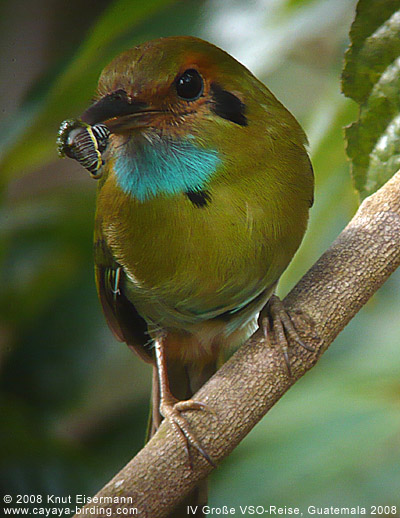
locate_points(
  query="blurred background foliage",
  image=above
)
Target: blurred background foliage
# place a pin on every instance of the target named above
(73, 401)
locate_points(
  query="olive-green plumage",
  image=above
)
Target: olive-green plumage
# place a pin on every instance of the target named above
(203, 201)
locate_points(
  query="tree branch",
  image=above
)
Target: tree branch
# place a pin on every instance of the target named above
(255, 378)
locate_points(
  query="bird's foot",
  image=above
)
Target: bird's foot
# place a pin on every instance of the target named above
(279, 329)
(170, 409)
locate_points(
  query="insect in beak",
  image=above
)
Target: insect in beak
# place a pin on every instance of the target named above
(85, 143)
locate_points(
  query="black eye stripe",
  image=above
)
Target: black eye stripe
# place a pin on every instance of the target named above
(228, 106)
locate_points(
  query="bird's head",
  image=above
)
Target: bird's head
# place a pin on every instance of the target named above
(177, 109)
(169, 84)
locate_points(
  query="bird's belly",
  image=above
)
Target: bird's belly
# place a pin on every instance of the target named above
(178, 273)
(184, 265)
(203, 316)
(198, 289)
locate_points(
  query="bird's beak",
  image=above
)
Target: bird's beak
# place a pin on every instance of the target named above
(119, 113)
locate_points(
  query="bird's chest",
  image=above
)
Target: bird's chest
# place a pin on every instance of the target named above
(194, 259)
(167, 237)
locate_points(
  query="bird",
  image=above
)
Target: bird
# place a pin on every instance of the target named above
(204, 193)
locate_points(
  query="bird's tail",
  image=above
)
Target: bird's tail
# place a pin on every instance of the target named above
(184, 382)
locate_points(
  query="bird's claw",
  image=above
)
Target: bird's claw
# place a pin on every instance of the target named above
(171, 410)
(278, 324)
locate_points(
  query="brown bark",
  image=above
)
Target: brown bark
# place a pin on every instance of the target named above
(254, 379)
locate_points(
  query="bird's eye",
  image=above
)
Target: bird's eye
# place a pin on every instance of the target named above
(189, 85)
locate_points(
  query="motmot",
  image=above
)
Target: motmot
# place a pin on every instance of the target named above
(204, 191)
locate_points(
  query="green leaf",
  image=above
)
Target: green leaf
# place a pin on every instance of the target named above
(371, 77)
(29, 141)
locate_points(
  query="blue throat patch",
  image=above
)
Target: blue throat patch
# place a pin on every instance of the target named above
(166, 166)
